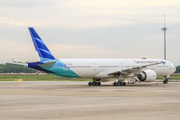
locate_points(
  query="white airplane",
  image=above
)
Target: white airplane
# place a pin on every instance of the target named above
(100, 70)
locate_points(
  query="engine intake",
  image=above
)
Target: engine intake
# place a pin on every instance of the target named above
(147, 76)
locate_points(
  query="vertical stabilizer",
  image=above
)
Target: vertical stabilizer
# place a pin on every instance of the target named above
(40, 47)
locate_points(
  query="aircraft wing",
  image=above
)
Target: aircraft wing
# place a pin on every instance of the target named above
(134, 70)
(17, 63)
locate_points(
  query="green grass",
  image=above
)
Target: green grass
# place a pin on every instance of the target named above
(171, 77)
(51, 78)
(38, 78)
(175, 76)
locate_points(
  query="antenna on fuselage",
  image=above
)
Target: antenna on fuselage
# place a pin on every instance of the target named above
(164, 29)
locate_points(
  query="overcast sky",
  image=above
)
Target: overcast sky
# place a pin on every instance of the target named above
(90, 28)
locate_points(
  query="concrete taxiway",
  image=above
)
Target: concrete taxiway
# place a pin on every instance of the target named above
(75, 101)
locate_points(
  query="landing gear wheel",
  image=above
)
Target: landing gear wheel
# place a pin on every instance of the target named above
(99, 83)
(93, 83)
(114, 83)
(118, 83)
(124, 83)
(121, 84)
(89, 83)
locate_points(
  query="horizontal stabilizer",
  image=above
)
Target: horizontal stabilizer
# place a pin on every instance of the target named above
(48, 64)
(17, 63)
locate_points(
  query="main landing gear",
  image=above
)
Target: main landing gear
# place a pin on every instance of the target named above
(119, 83)
(165, 81)
(95, 82)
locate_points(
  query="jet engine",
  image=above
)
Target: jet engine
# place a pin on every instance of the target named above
(147, 76)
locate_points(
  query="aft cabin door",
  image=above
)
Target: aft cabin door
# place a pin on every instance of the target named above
(94, 66)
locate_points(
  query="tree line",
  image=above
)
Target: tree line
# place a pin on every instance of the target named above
(177, 69)
(12, 68)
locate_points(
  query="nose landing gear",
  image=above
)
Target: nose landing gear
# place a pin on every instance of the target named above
(165, 81)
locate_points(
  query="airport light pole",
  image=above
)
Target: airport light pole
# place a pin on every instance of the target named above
(164, 29)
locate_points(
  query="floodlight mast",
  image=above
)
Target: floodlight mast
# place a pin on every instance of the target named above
(164, 29)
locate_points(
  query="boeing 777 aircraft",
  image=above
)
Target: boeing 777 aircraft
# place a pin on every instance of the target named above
(100, 70)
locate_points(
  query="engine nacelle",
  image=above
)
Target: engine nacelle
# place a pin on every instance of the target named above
(147, 76)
